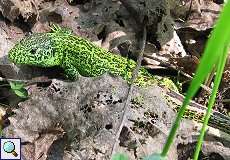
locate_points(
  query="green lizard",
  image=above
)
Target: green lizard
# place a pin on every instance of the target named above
(77, 55)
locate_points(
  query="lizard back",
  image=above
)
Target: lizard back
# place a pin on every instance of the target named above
(91, 60)
(73, 53)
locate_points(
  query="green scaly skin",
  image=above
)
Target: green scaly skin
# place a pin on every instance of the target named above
(77, 55)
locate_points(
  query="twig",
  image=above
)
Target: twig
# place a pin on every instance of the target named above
(137, 140)
(28, 82)
(134, 76)
(218, 120)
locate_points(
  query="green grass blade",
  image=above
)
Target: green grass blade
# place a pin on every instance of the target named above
(220, 69)
(214, 48)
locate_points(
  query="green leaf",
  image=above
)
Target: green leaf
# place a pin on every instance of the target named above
(155, 157)
(21, 93)
(120, 156)
(16, 85)
(18, 89)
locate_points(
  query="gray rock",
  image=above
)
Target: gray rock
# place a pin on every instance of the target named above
(89, 112)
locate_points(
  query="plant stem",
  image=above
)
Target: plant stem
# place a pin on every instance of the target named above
(220, 69)
(5, 85)
(212, 55)
(174, 128)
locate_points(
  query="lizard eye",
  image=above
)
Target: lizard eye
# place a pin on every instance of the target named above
(33, 51)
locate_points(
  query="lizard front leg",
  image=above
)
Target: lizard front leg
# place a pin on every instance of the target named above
(71, 71)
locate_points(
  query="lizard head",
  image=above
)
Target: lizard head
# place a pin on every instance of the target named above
(36, 49)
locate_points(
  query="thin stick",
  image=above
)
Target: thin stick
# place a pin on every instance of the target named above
(134, 76)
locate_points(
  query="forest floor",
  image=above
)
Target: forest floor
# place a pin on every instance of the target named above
(79, 120)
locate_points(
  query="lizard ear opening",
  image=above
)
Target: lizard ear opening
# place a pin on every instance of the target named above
(33, 51)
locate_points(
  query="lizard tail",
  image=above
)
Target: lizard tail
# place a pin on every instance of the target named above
(146, 79)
